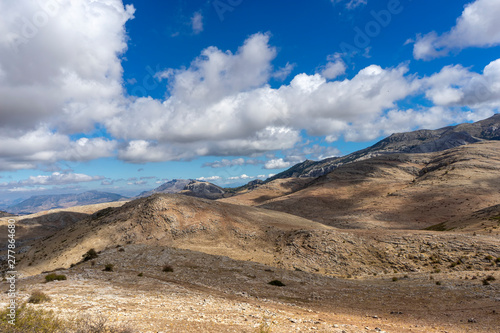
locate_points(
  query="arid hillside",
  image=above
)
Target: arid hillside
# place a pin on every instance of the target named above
(396, 191)
(183, 264)
(30, 228)
(395, 243)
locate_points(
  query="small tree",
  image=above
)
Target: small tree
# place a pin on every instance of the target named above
(91, 254)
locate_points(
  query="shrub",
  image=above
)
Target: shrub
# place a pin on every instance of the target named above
(97, 324)
(438, 283)
(488, 279)
(140, 274)
(38, 297)
(91, 254)
(277, 283)
(30, 320)
(108, 268)
(54, 277)
(33, 320)
(168, 268)
(394, 279)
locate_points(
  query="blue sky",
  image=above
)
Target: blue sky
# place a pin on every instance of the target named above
(121, 96)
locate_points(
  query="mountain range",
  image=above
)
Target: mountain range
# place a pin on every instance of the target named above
(416, 142)
(46, 202)
(421, 141)
(405, 232)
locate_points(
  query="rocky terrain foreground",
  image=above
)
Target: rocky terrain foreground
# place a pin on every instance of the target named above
(393, 243)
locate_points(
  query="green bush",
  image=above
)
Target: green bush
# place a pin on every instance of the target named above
(54, 277)
(30, 320)
(108, 268)
(38, 297)
(91, 254)
(277, 283)
(168, 268)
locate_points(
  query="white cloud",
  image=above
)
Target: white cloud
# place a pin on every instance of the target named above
(283, 72)
(197, 22)
(222, 105)
(27, 150)
(60, 68)
(55, 178)
(334, 68)
(242, 177)
(458, 86)
(270, 138)
(478, 26)
(74, 72)
(277, 163)
(209, 179)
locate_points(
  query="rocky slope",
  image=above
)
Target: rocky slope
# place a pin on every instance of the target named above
(46, 202)
(33, 227)
(395, 191)
(172, 186)
(203, 190)
(188, 187)
(245, 233)
(421, 141)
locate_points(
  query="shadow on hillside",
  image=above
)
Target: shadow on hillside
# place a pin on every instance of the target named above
(30, 229)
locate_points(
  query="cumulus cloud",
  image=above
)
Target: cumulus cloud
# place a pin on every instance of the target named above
(74, 72)
(478, 26)
(458, 86)
(334, 68)
(197, 23)
(55, 178)
(60, 69)
(222, 105)
(43, 146)
(277, 163)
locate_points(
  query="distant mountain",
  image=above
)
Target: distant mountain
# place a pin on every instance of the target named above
(193, 188)
(45, 202)
(203, 190)
(421, 141)
(173, 186)
(456, 188)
